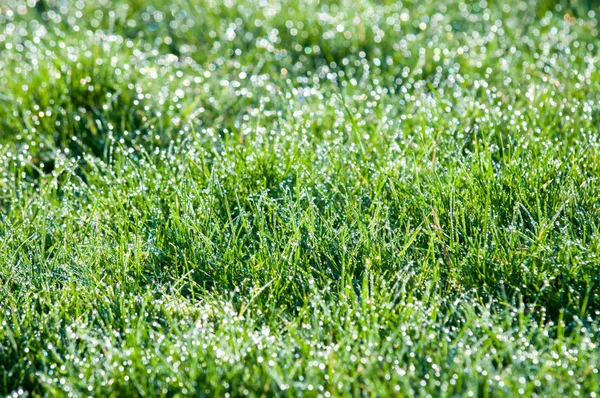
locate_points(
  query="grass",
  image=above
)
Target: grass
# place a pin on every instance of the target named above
(320, 198)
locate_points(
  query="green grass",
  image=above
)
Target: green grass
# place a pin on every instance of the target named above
(299, 198)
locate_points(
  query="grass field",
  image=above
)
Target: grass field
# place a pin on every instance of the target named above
(299, 198)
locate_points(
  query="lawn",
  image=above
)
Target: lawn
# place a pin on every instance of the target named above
(299, 198)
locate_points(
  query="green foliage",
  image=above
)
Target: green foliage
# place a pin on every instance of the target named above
(321, 198)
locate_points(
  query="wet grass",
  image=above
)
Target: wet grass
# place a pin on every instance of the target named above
(299, 198)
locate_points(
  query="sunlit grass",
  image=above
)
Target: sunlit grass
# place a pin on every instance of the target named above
(299, 198)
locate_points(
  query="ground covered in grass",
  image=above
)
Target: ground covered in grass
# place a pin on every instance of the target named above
(285, 197)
